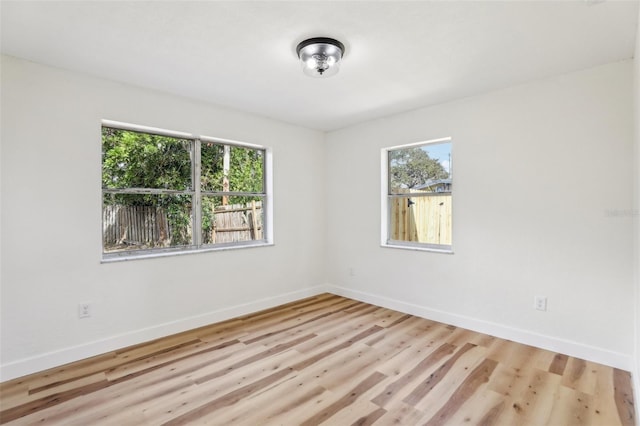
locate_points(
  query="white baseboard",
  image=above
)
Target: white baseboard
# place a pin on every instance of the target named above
(567, 347)
(60, 357)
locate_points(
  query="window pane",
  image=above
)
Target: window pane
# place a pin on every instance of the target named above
(211, 158)
(142, 160)
(425, 168)
(145, 221)
(232, 219)
(231, 168)
(421, 219)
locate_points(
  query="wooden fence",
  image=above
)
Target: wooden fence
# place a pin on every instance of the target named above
(139, 226)
(127, 227)
(424, 219)
(238, 222)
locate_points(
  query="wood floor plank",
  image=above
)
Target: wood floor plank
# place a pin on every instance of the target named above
(201, 400)
(426, 386)
(491, 412)
(478, 377)
(347, 399)
(420, 347)
(40, 404)
(559, 364)
(370, 418)
(13, 394)
(530, 398)
(335, 371)
(191, 351)
(255, 358)
(482, 408)
(232, 330)
(439, 394)
(484, 340)
(296, 319)
(332, 319)
(324, 360)
(310, 360)
(623, 396)
(212, 401)
(333, 330)
(281, 399)
(352, 413)
(128, 392)
(227, 399)
(393, 388)
(574, 409)
(401, 414)
(604, 408)
(296, 414)
(580, 375)
(64, 376)
(387, 318)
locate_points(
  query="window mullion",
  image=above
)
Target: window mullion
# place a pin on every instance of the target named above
(197, 196)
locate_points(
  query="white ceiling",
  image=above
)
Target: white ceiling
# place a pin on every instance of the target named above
(399, 55)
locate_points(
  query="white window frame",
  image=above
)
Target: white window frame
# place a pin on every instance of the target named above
(385, 196)
(197, 246)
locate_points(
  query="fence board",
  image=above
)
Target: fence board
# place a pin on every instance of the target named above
(426, 220)
(127, 227)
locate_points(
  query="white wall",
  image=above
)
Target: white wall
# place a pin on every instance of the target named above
(542, 191)
(51, 223)
(636, 215)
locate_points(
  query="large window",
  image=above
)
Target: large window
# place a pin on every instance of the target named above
(416, 206)
(166, 192)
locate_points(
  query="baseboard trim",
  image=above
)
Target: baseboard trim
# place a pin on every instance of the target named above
(567, 347)
(60, 357)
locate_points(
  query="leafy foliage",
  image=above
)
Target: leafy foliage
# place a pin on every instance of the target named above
(245, 168)
(141, 160)
(411, 167)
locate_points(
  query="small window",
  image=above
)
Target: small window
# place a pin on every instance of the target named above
(163, 192)
(417, 196)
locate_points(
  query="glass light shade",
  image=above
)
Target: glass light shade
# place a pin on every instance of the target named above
(320, 56)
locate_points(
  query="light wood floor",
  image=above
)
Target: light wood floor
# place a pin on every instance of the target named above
(328, 360)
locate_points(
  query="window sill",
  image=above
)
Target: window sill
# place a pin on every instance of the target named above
(114, 257)
(417, 248)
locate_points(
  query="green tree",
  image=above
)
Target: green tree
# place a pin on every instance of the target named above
(141, 160)
(245, 168)
(411, 167)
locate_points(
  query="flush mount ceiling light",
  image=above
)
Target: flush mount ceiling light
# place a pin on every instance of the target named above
(320, 56)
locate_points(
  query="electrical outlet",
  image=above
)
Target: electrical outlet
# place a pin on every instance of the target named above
(540, 303)
(352, 271)
(84, 310)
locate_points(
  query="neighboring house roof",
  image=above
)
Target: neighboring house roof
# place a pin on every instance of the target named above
(432, 183)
